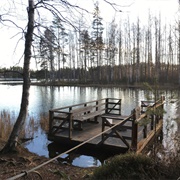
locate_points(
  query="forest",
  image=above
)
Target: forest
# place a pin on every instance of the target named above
(70, 50)
(118, 52)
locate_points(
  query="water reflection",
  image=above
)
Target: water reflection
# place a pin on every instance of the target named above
(171, 124)
(80, 157)
(44, 98)
(84, 156)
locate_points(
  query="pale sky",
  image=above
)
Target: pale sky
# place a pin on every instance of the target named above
(11, 55)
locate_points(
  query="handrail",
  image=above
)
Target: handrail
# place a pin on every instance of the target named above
(116, 103)
(151, 107)
(66, 107)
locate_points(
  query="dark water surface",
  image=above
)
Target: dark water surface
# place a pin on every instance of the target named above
(44, 98)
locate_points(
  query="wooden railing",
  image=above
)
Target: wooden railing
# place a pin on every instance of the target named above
(65, 118)
(145, 125)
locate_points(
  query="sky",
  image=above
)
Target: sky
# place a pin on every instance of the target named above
(12, 43)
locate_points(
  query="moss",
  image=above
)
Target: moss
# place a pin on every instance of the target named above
(128, 166)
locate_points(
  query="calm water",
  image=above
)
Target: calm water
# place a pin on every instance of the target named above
(44, 98)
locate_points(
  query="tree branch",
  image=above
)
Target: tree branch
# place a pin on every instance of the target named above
(114, 5)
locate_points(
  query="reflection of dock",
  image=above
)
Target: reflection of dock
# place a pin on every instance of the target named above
(99, 125)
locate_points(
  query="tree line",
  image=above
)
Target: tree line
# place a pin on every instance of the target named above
(122, 52)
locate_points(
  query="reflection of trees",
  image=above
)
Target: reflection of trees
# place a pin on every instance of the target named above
(170, 132)
(178, 110)
(171, 123)
(44, 122)
(56, 149)
(69, 158)
(95, 162)
(47, 98)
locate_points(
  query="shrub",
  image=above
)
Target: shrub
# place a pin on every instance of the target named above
(127, 166)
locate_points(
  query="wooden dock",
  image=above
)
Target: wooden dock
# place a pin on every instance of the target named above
(99, 125)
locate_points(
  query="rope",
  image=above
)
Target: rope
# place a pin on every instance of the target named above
(43, 164)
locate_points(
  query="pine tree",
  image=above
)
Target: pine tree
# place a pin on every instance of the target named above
(60, 42)
(47, 47)
(85, 49)
(97, 39)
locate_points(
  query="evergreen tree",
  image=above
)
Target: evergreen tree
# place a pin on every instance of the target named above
(47, 47)
(85, 49)
(60, 42)
(97, 39)
(111, 49)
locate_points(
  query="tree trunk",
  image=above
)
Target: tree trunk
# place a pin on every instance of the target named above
(18, 126)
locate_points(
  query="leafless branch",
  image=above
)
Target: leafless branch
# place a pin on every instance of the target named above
(114, 5)
(12, 22)
(55, 12)
(19, 60)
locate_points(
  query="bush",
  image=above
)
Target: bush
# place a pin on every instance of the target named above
(128, 166)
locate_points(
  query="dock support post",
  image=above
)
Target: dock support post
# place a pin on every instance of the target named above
(152, 122)
(145, 131)
(70, 126)
(106, 110)
(119, 106)
(134, 132)
(103, 128)
(50, 121)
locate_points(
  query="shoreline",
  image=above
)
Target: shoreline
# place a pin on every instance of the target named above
(167, 86)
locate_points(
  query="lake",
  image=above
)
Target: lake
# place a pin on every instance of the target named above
(43, 98)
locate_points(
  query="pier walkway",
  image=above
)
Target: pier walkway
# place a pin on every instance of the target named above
(102, 126)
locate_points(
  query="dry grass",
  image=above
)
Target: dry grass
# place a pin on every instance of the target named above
(44, 122)
(6, 124)
(7, 120)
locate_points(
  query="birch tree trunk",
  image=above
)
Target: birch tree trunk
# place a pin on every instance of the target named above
(18, 126)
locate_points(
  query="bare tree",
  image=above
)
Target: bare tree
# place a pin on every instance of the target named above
(11, 144)
(111, 50)
(54, 7)
(178, 46)
(158, 38)
(97, 39)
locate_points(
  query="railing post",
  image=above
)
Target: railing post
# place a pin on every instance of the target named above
(119, 106)
(134, 132)
(85, 105)
(145, 131)
(70, 125)
(51, 114)
(152, 121)
(103, 128)
(97, 102)
(106, 106)
(162, 105)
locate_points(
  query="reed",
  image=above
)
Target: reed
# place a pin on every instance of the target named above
(31, 125)
(44, 122)
(6, 124)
